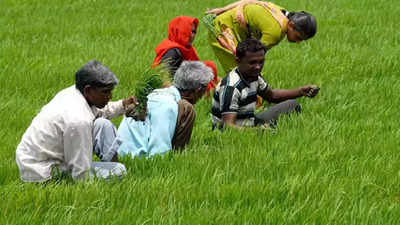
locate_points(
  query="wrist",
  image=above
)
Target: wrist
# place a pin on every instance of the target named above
(301, 92)
(126, 102)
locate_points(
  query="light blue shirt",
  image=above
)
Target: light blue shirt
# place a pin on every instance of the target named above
(154, 135)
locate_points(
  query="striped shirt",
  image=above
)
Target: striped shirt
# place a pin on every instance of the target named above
(235, 95)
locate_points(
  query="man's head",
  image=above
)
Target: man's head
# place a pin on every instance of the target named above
(250, 57)
(192, 78)
(96, 82)
(301, 26)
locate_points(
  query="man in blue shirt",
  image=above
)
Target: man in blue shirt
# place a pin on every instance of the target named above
(170, 115)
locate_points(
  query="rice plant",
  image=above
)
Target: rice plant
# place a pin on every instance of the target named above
(335, 163)
(148, 81)
(208, 21)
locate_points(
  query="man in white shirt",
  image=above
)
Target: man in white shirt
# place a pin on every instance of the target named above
(73, 125)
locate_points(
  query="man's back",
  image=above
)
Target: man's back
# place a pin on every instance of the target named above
(154, 135)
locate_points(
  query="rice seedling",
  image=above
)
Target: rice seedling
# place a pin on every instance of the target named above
(148, 81)
(208, 21)
(335, 163)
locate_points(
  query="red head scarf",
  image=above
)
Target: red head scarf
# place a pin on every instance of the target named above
(213, 83)
(179, 31)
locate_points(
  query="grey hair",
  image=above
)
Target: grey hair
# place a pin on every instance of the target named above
(192, 75)
(95, 74)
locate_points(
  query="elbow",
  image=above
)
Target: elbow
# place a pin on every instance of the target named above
(273, 99)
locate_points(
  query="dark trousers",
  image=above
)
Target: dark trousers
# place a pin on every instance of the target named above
(184, 125)
(271, 115)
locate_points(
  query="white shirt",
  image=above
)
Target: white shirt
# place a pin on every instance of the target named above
(61, 136)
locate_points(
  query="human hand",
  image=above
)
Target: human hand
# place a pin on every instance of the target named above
(132, 109)
(129, 104)
(309, 91)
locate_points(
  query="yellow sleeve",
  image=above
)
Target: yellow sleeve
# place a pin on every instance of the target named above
(264, 24)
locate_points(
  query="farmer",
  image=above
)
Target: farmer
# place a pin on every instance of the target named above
(170, 115)
(234, 99)
(178, 47)
(261, 20)
(73, 125)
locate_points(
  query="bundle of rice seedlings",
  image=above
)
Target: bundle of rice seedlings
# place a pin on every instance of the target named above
(148, 81)
(208, 21)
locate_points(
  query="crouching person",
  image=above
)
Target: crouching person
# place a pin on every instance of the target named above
(234, 100)
(170, 115)
(73, 125)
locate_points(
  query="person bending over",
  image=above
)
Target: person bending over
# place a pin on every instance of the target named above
(261, 20)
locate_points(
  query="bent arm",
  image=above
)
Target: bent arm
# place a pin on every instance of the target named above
(218, 11)
(111, 110)
(115, 109)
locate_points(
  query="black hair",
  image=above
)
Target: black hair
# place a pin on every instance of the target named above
(304, 23)
(95, 74)
(249, 45)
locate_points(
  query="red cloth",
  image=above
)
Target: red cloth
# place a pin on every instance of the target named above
(213, 83)
(179, 31)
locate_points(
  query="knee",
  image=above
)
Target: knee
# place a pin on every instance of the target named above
(103, 123)
(294, 106)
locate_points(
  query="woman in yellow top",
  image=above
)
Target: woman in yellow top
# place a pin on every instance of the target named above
(264, 21)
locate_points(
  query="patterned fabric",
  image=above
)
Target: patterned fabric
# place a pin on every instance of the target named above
(260, 24)
(226, 39)
(234, 95)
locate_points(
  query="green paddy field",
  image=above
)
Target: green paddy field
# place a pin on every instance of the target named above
(336, 163)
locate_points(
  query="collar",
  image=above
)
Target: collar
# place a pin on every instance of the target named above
(92, 109)
(241, 77)
(176, 93)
